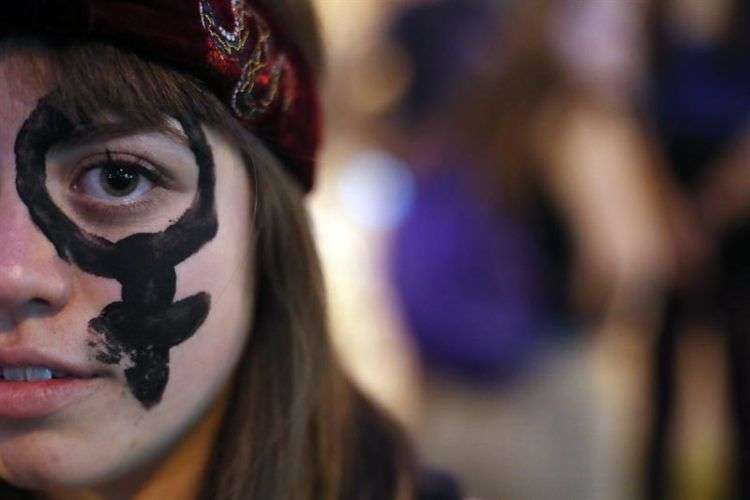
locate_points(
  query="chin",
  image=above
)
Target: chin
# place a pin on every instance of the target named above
(43, 461)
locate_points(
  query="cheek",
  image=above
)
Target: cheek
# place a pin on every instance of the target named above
(90, 295)
(203, 364)
(225, 269)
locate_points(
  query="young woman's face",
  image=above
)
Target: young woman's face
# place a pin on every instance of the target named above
(125, 285)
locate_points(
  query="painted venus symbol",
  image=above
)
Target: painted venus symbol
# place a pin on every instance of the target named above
(146, 323)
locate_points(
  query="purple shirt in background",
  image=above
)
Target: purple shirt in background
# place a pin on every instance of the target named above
(466, 277)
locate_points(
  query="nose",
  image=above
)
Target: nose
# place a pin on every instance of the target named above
(34, 281)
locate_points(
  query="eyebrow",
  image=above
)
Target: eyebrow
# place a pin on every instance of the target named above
(92, 133)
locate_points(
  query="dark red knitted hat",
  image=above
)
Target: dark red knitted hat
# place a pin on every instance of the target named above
(235, 46)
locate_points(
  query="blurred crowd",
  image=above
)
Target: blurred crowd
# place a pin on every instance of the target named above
(536, 228)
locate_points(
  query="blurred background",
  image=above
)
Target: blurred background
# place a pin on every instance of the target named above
(533, 219)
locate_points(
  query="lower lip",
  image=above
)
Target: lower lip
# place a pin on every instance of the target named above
(27, 400)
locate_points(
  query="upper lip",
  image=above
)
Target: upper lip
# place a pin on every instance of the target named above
(25, 356)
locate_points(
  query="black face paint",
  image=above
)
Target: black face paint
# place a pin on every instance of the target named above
(146, 323)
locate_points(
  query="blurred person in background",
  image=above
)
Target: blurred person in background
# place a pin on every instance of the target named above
(540, 214)
(699, 102)
(588, 172)
(452, 222)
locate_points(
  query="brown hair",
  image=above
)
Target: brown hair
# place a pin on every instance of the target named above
(296, 428)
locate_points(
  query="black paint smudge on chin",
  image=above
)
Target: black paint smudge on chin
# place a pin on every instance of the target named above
(146, 323)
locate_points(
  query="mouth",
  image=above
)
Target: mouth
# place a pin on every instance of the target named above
(37, 374)
(34, 398)
(34, 385)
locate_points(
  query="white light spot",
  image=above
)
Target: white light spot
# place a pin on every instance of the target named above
(376, 189)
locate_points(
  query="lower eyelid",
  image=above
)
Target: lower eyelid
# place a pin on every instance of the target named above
(103, 213)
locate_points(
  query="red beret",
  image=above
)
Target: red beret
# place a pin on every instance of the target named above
(235, 46)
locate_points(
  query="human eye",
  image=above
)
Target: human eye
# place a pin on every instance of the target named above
(116, 182)
(114, 186)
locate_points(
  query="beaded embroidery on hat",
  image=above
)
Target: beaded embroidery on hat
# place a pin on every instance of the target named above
(248, 46)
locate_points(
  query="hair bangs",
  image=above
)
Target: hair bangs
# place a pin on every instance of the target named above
(91, 81)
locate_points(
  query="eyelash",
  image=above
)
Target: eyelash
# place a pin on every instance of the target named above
(96, 208)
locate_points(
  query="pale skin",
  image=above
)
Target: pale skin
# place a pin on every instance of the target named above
(109, 445)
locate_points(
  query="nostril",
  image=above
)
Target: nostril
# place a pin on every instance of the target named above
(37, 306)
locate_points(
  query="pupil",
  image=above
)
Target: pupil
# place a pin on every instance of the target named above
(118, 180)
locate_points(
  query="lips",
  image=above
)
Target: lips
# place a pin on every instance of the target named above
(32, 373)
(35, 384)
(26, 357)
